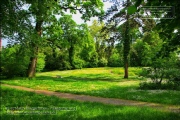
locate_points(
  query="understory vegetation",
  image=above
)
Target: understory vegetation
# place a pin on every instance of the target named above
(163, 74)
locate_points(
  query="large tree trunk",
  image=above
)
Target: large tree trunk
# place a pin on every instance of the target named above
(33, 62)
(32, 67)
(126, 45)
(126, 70)
(33, 58)
(126, 51)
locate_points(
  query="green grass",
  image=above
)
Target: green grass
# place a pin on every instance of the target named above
(104, 82)
(11, 98)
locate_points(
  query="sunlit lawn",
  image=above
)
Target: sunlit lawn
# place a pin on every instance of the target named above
(22, 105)
(104, 82)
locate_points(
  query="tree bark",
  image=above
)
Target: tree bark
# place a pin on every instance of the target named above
(32, 67)
(126, 45)
(126, 70)
(33, 58)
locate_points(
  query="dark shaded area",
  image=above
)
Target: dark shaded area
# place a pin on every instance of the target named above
(130, 115)
(85, 78)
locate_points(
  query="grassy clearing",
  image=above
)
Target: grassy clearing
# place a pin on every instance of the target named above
(104, 82)
(12, 100)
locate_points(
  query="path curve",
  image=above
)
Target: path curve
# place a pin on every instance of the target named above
(111, 101)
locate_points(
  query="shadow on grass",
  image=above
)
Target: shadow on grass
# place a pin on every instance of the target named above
(134, 93)
(88, 77)
(122, 115)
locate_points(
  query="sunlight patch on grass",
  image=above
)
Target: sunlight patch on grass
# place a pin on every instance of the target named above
(128, 83)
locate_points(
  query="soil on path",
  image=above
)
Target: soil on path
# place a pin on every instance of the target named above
(111, 101)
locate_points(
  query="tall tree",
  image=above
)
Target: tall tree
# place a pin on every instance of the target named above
(99, 37)
(120, 14)
(72, 36)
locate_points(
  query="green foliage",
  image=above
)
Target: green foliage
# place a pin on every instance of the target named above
(151, 48)
(78, 63)
(58, 62)
(102, 62)
(115, 60)
(131, 10)
(163, 72)
(65, 65)
(136, 54)
(93, 62)
(14, 61)
(166, 27)
(153, 86)
(40, 62)
(99, 36)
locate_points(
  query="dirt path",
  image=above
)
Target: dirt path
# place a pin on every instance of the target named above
(112, 101)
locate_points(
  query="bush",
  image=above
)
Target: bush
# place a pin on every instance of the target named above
(149, 85)
(153, 86)
(102, 62)
(59, 62)
(65, 65)
(14, 62)
(173, 76)
(156, 74)
(115, 61)
(93, 61)
(78, 63)
(162, 70)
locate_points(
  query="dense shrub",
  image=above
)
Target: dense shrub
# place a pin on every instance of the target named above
(59, 62)
(102, 62)
(173, 76)
(65, 65)
(115, 61)
(14, 62)
(153, 86)
(78, 63)
(164, 73)
(93, 61)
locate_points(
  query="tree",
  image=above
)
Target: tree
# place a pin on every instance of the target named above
(88, 51)
(127, 13)
(100, 37)
(69, 36)
(168, 24)
(75, 38)
(37, 16)
(111, 37)
(151, 48)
